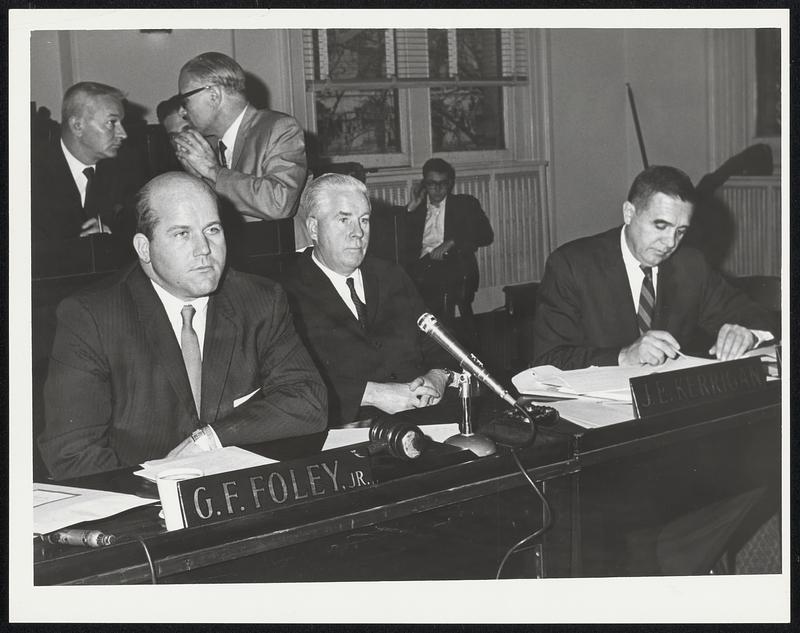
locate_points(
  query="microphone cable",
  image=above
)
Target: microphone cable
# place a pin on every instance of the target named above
(548, 516)
(153, 578)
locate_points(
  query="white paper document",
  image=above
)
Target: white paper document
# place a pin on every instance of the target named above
(611, 383)
(223, 460)
(57, 507)
(592, 413)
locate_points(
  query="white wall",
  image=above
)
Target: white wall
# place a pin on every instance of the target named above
(595, 153)
(589, 148)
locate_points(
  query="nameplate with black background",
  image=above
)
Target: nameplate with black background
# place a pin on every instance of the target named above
(671, 391)
(238, 493)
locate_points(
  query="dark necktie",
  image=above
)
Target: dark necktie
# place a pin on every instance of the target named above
(361, 308)
(222, 160)
(190, 348)
(89, 206)
(647, 301)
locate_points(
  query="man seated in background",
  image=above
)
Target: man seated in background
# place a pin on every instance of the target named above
(174, 354)
(257, 159)
(170, 115)
(631, 296)
(78, 185)
(358, 315)
(443, 231)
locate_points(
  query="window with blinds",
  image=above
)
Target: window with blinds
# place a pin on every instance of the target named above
(358, 80)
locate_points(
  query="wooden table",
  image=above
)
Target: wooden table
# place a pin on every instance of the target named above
(450, 515)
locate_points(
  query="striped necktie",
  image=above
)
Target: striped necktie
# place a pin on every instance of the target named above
(647, 301)
(361, 308)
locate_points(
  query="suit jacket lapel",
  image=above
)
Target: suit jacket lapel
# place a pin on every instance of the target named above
(244, 128)
(161, 337)
(618, 287)
(222, 332)
(63, 181)
(371, 291)
(665, 294)
(329, 298)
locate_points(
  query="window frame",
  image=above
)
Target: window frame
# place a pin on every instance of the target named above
(414, 115)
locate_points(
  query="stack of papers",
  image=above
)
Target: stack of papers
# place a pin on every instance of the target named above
(606, 383)
(211, 463)
(595, 396)
(591, 413)
(57, 507)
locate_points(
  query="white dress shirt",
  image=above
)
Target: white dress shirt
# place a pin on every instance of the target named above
(229, 138)
(173, 307)
(340, 284)
(76, 168)
(635, 274)
(433, 233)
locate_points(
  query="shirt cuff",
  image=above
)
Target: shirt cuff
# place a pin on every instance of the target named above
(762, 336)
(206, 438)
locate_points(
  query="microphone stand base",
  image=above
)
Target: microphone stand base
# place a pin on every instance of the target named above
(478, 444)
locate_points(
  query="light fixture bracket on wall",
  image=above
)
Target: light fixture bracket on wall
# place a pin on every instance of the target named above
(155, 30)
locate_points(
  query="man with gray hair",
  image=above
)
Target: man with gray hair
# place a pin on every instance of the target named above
(358, 315)
(254, 159)
(78, 186)
(176, 354)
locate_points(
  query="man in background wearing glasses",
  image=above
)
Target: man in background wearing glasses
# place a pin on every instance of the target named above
(254, 159)
(443, 231)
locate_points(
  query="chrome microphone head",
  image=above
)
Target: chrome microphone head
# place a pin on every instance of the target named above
(426, 321)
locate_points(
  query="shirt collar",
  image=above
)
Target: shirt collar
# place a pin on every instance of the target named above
(631, 263)
(332, 274)
(437, 206)
(229, 138)
(173, 305)
(76, 167)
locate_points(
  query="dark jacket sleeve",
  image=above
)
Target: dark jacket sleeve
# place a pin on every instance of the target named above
(293, 399)
(723, 303)
(472, 229)
(558, 337)
(77, 397)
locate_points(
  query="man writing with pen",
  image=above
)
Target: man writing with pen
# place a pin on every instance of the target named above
(631, 296)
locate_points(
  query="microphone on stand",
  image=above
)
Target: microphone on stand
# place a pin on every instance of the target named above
(431, 326)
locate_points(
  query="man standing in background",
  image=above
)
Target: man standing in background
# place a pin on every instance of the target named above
(256, 160)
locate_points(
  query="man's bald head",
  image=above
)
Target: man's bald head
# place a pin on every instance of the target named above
(163, 191)
(180, 241)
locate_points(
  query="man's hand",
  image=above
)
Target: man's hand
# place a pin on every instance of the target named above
(652, 348)
(186, 448)
(93, 226)
(393, 397)
(733, 341)
(417, 197)
(196, 155)
(440, 251)
(430, 387)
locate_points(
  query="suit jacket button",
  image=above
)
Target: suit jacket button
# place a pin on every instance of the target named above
(377, 344)
(392, 377)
